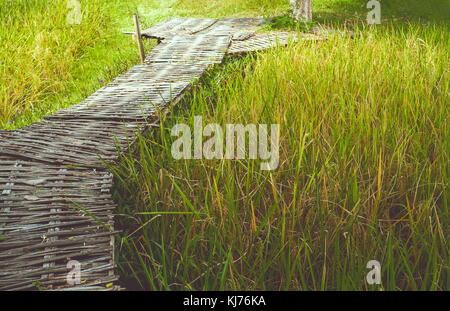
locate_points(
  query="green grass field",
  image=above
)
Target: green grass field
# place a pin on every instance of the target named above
(364, 147)
(47, 64)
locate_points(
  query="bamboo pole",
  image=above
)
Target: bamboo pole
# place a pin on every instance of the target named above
(139, 37)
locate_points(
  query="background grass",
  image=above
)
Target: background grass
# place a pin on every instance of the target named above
(47, 64)
(363, 173)
(364, 145)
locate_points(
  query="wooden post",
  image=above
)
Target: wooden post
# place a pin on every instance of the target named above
(302, 9)
(139, 38)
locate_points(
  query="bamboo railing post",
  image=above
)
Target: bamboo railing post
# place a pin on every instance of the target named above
(139, 37)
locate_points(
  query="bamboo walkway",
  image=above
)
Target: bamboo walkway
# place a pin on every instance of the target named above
(55, 193)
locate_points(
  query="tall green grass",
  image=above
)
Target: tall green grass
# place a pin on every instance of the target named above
(47, 64)
(363, 173)
(364, 145)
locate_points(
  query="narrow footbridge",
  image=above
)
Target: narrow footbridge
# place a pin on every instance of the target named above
(55, 193)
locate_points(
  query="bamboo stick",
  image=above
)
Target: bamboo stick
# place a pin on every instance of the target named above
(139, 37)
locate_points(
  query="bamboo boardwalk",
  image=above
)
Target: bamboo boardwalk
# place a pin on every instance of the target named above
(55, 193)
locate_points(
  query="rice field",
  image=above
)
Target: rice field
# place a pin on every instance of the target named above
(364, 145)
(47, 64)
(363, 175)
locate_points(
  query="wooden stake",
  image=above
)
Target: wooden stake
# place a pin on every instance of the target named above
(139, 38)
